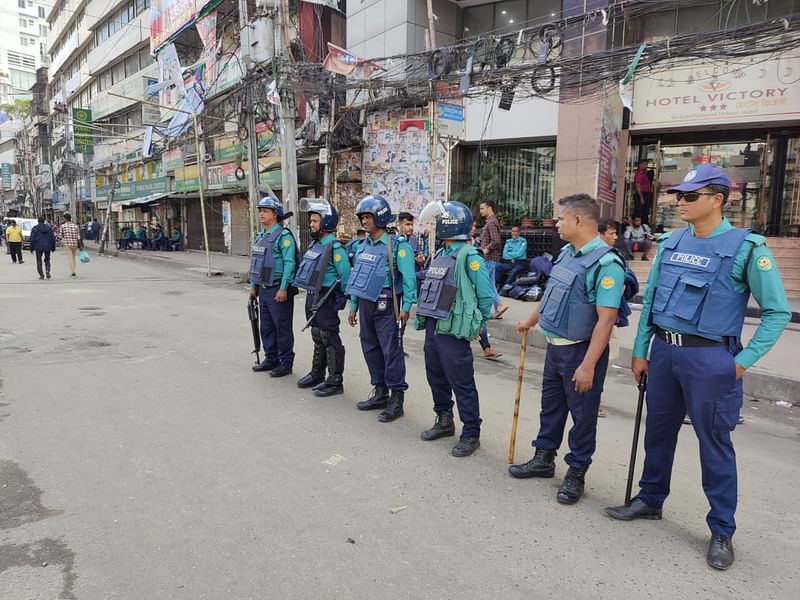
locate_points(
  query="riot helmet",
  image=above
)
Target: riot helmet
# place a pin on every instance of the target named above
(378, 207)
(455, 223)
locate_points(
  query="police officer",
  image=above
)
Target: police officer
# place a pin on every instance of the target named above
(382, 288)
(693, 311)
(576, 316)
(324, 265)
(272, 264)
(455, 301)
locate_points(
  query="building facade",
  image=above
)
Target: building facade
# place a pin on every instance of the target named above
(23, 31)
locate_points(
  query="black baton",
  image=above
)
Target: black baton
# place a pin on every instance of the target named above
(632, 465)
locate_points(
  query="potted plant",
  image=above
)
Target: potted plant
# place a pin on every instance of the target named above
(528, 222)
(548, 222)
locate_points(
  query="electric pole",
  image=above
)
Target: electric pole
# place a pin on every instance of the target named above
(248, 106)
(289, 150)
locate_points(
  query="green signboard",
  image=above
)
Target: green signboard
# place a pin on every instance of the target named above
(6, 171)
(83, 134)
(134, 189)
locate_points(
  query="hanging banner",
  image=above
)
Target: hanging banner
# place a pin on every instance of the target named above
(170, 17)
(83, 138)
(6, 171)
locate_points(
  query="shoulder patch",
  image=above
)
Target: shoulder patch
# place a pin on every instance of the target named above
(337, 257)
(607, 283)
(287, 242)
(474, 265)
(401, 253)
(764, 263)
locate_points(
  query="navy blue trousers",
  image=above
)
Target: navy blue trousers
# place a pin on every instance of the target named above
(449, 369)
(327, 318)
(700, 382)
(560, 399)
(277, 337)
(380, 343)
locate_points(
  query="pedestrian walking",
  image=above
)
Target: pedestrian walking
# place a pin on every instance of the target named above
(325, 265)
(576, 316)
(455, 301)
(273, 258)
(693, 311)
(382, 288)
(491, 246)
(43, 242)
(70, 235)
(14, 241)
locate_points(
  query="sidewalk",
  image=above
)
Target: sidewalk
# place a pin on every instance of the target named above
(769, 380)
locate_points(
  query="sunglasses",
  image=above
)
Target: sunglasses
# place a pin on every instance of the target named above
(692, 196)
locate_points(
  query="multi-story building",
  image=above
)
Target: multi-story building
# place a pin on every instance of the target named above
(741, 110)
(23, 31)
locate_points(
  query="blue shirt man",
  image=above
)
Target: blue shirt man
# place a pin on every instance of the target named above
(515, 253)
(693, 312)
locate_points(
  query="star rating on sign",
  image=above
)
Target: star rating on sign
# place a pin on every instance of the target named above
(713, 107)
(723, 106)
(703, 108)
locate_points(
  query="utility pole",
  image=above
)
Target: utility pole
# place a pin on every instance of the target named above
(106, 225)
(289, 150)
(248, 105)
(201, 161)
(434, 143)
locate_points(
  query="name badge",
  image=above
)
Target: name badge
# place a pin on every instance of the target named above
(690, 259)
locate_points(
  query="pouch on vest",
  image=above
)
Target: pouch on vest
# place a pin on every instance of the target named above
(434, 287)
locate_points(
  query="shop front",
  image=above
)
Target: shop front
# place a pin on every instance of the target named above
(742, 117)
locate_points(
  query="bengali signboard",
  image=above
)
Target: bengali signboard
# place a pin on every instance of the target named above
(133, 189)
(187, 179)
(741, 91)
(224, 177)
(172, 159)
(83, 138)
(608, 157)
(6, 170)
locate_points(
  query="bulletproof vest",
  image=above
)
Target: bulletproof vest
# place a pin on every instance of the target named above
(262, 260)
(313, 266)
(438, 290)
(369, 271)
(566, 310)
(694, 293)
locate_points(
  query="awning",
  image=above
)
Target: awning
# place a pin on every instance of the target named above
(144, 200)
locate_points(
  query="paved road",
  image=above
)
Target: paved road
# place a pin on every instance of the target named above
(141, 458)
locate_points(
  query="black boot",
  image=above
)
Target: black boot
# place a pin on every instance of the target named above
(317, 373)
(465, 446)
(377, 399)
(720, 552)
(541, 465)
(335, 382)
(442, 427)
(394, 407)
(571, 488)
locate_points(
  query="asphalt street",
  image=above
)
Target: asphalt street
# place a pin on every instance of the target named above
(141, 458)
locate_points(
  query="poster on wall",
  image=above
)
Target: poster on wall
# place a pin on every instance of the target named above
(348, 167)
(396, 162)
(608, 157)
(347, 196)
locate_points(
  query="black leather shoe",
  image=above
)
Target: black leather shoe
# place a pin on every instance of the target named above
(466, 446)
(281, 371)
(310, 380)
(442, 427)
(720, 552)
(637, 509)
(571, 488)
(541, 465)
(264, 366)
(377, 399)
(394, 407)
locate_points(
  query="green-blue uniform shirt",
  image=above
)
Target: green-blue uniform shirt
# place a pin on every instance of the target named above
(604, 282)
(283, 251)
(753, 268)
(404, 263)
(515, 249)
(478, 276)
(338, 266)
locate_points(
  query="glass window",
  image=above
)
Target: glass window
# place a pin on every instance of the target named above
(23, 41)
(697, 15)
(23, 23)
(478, 20)
(145, 59)
(118, 72)
(509, 16)
(41, 12)
(131, 65)
(123, 16)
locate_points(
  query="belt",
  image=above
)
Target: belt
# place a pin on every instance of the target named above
(557, 341)
(686, 340)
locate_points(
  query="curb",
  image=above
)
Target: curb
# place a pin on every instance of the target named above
(759, 385)
(170, 262)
